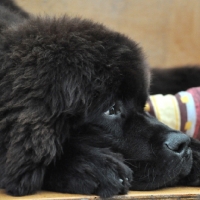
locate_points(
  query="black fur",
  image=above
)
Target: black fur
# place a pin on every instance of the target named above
(173, 80)
(10, 5)
(72, 96)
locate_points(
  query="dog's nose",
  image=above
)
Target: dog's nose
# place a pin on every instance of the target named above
(177, 143)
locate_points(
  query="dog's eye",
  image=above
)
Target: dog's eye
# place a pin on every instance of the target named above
(114, 110)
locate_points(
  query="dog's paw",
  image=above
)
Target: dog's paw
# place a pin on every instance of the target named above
(112, 175)
(193, 178)
(101, 173)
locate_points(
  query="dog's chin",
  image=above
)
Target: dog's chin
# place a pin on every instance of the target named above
(166, 175)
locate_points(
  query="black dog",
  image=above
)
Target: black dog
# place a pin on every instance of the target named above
(72, 96)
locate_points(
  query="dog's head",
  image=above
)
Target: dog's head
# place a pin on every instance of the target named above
(115, 116)
(98, 84)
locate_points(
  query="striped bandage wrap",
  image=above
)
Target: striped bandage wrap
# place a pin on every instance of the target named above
(180, 111)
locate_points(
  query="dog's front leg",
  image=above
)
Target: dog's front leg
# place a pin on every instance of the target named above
(88, 170)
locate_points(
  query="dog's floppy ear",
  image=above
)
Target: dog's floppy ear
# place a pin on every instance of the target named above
(41, 87)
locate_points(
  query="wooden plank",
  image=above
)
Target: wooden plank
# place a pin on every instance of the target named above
(179, 193)
(184, 30)
(168, 31)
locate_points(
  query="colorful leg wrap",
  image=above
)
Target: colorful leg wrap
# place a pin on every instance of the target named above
(180, 111)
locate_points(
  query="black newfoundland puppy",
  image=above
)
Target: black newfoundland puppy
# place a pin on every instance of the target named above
(72, 96)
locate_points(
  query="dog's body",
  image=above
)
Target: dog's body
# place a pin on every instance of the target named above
(72, 96)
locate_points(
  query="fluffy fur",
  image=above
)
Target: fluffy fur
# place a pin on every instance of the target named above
(174, 80)
(72, 96)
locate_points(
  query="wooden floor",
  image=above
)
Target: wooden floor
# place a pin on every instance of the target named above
(180, 193)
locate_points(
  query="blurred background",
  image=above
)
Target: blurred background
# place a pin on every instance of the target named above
(168, 30)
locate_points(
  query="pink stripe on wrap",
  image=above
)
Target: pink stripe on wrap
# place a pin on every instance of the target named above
(195, 92)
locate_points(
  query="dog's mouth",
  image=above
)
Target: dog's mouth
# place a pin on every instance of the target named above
(154, 175)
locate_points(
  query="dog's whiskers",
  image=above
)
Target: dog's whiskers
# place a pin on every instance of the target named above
(153, 151)
(129, 163)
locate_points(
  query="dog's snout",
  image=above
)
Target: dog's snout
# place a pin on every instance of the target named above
(177, 143)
